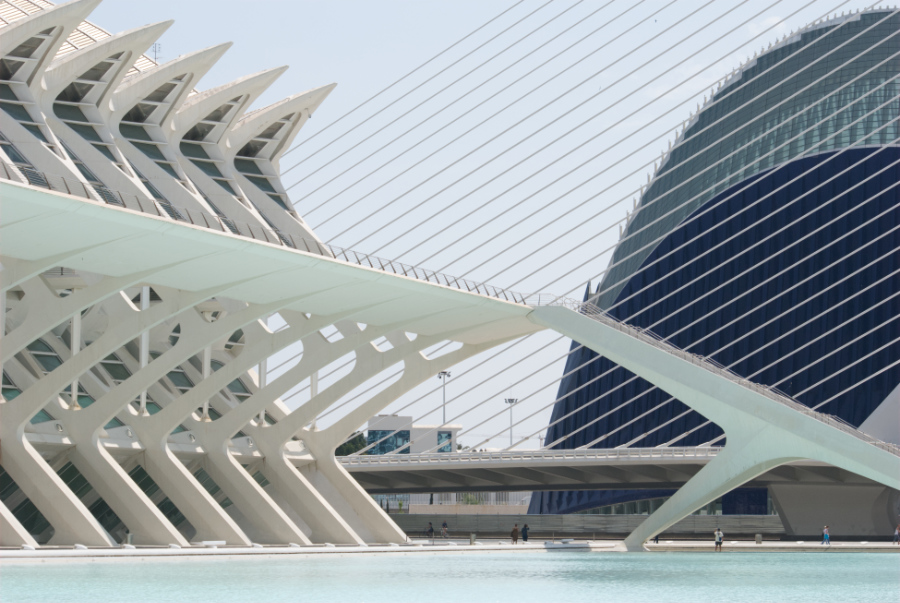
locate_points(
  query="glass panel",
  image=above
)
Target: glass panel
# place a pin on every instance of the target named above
(160, 94)
(245, 166)
(14, 155)
(219, 114)
(41, 417)
(96, 72)
(260, 479)
(8, 68)
(393, 442)
(69, 112)
(10, 393)
(86, 132)
(191, 149)
(134, 132)
(167, 168)
(75, 92)
(139, 113)
(252, 148)
(104, 150)
(116, 368)
(114, 422)
(271, 131)
(6, 92)
(36, 131)
(445, 437)
(27, 48)
(150, 150)
(18, 112)
(262, 184)
(199, 132)
(180, 380)
(224, 184)
(279, 199)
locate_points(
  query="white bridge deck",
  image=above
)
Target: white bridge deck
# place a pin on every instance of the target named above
(589, 469)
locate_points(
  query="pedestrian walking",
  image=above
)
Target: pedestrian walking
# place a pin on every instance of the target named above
(514, 535)
(429, 531)
(719, 538)
(897, 534)
(525, 529)
(826, 536)
(444, 529)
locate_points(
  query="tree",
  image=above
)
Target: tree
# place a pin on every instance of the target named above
(357, 442)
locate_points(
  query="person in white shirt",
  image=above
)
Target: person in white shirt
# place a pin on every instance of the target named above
(719, 538)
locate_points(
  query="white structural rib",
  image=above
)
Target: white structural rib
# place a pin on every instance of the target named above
(142, 110)
(254, 146)
(763, 431)
(76, 101)
(60, 21)
(198, 135)
(188, 266)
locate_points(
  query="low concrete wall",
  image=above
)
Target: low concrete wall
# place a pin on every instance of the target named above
(589, 526)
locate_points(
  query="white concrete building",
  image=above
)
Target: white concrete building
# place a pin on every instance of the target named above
(393, 432)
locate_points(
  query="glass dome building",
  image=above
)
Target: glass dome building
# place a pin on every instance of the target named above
(766, 240)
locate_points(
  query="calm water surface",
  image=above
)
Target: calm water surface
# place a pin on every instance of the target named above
(521, 578)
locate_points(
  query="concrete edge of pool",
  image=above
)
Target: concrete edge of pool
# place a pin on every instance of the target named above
(70, 554)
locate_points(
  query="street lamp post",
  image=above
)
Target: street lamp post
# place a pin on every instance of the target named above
(443, 376)
(511, 402)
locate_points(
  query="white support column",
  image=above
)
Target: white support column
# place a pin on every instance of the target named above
(761, 432)
(313, 392)
(739, 462)
(207, 370)
(169, 473)
(11, 531)
(144, 520)
(346, 491)
(71, 520)
(263, 380)
(75, 347)
(144, 352)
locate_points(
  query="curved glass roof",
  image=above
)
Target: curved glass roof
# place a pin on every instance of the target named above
(792, 106)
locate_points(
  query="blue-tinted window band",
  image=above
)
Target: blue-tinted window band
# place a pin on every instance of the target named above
(628, 240)
(690, 204)
(712, 207)
(876, 217)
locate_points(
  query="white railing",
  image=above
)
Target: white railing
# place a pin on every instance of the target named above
(163, 209)
(530, 456)
(773, 393)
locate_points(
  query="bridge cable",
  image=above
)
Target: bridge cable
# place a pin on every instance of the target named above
(540, 129)
(383, 90)
(501, 412)
(469, 111)
(392, 103)
(622, 159)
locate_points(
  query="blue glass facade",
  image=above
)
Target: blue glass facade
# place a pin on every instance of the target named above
(386, 440)
(788, 276)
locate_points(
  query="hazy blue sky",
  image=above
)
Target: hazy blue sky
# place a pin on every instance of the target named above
(400, 174)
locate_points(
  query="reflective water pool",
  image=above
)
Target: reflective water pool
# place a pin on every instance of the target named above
(539, 577)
